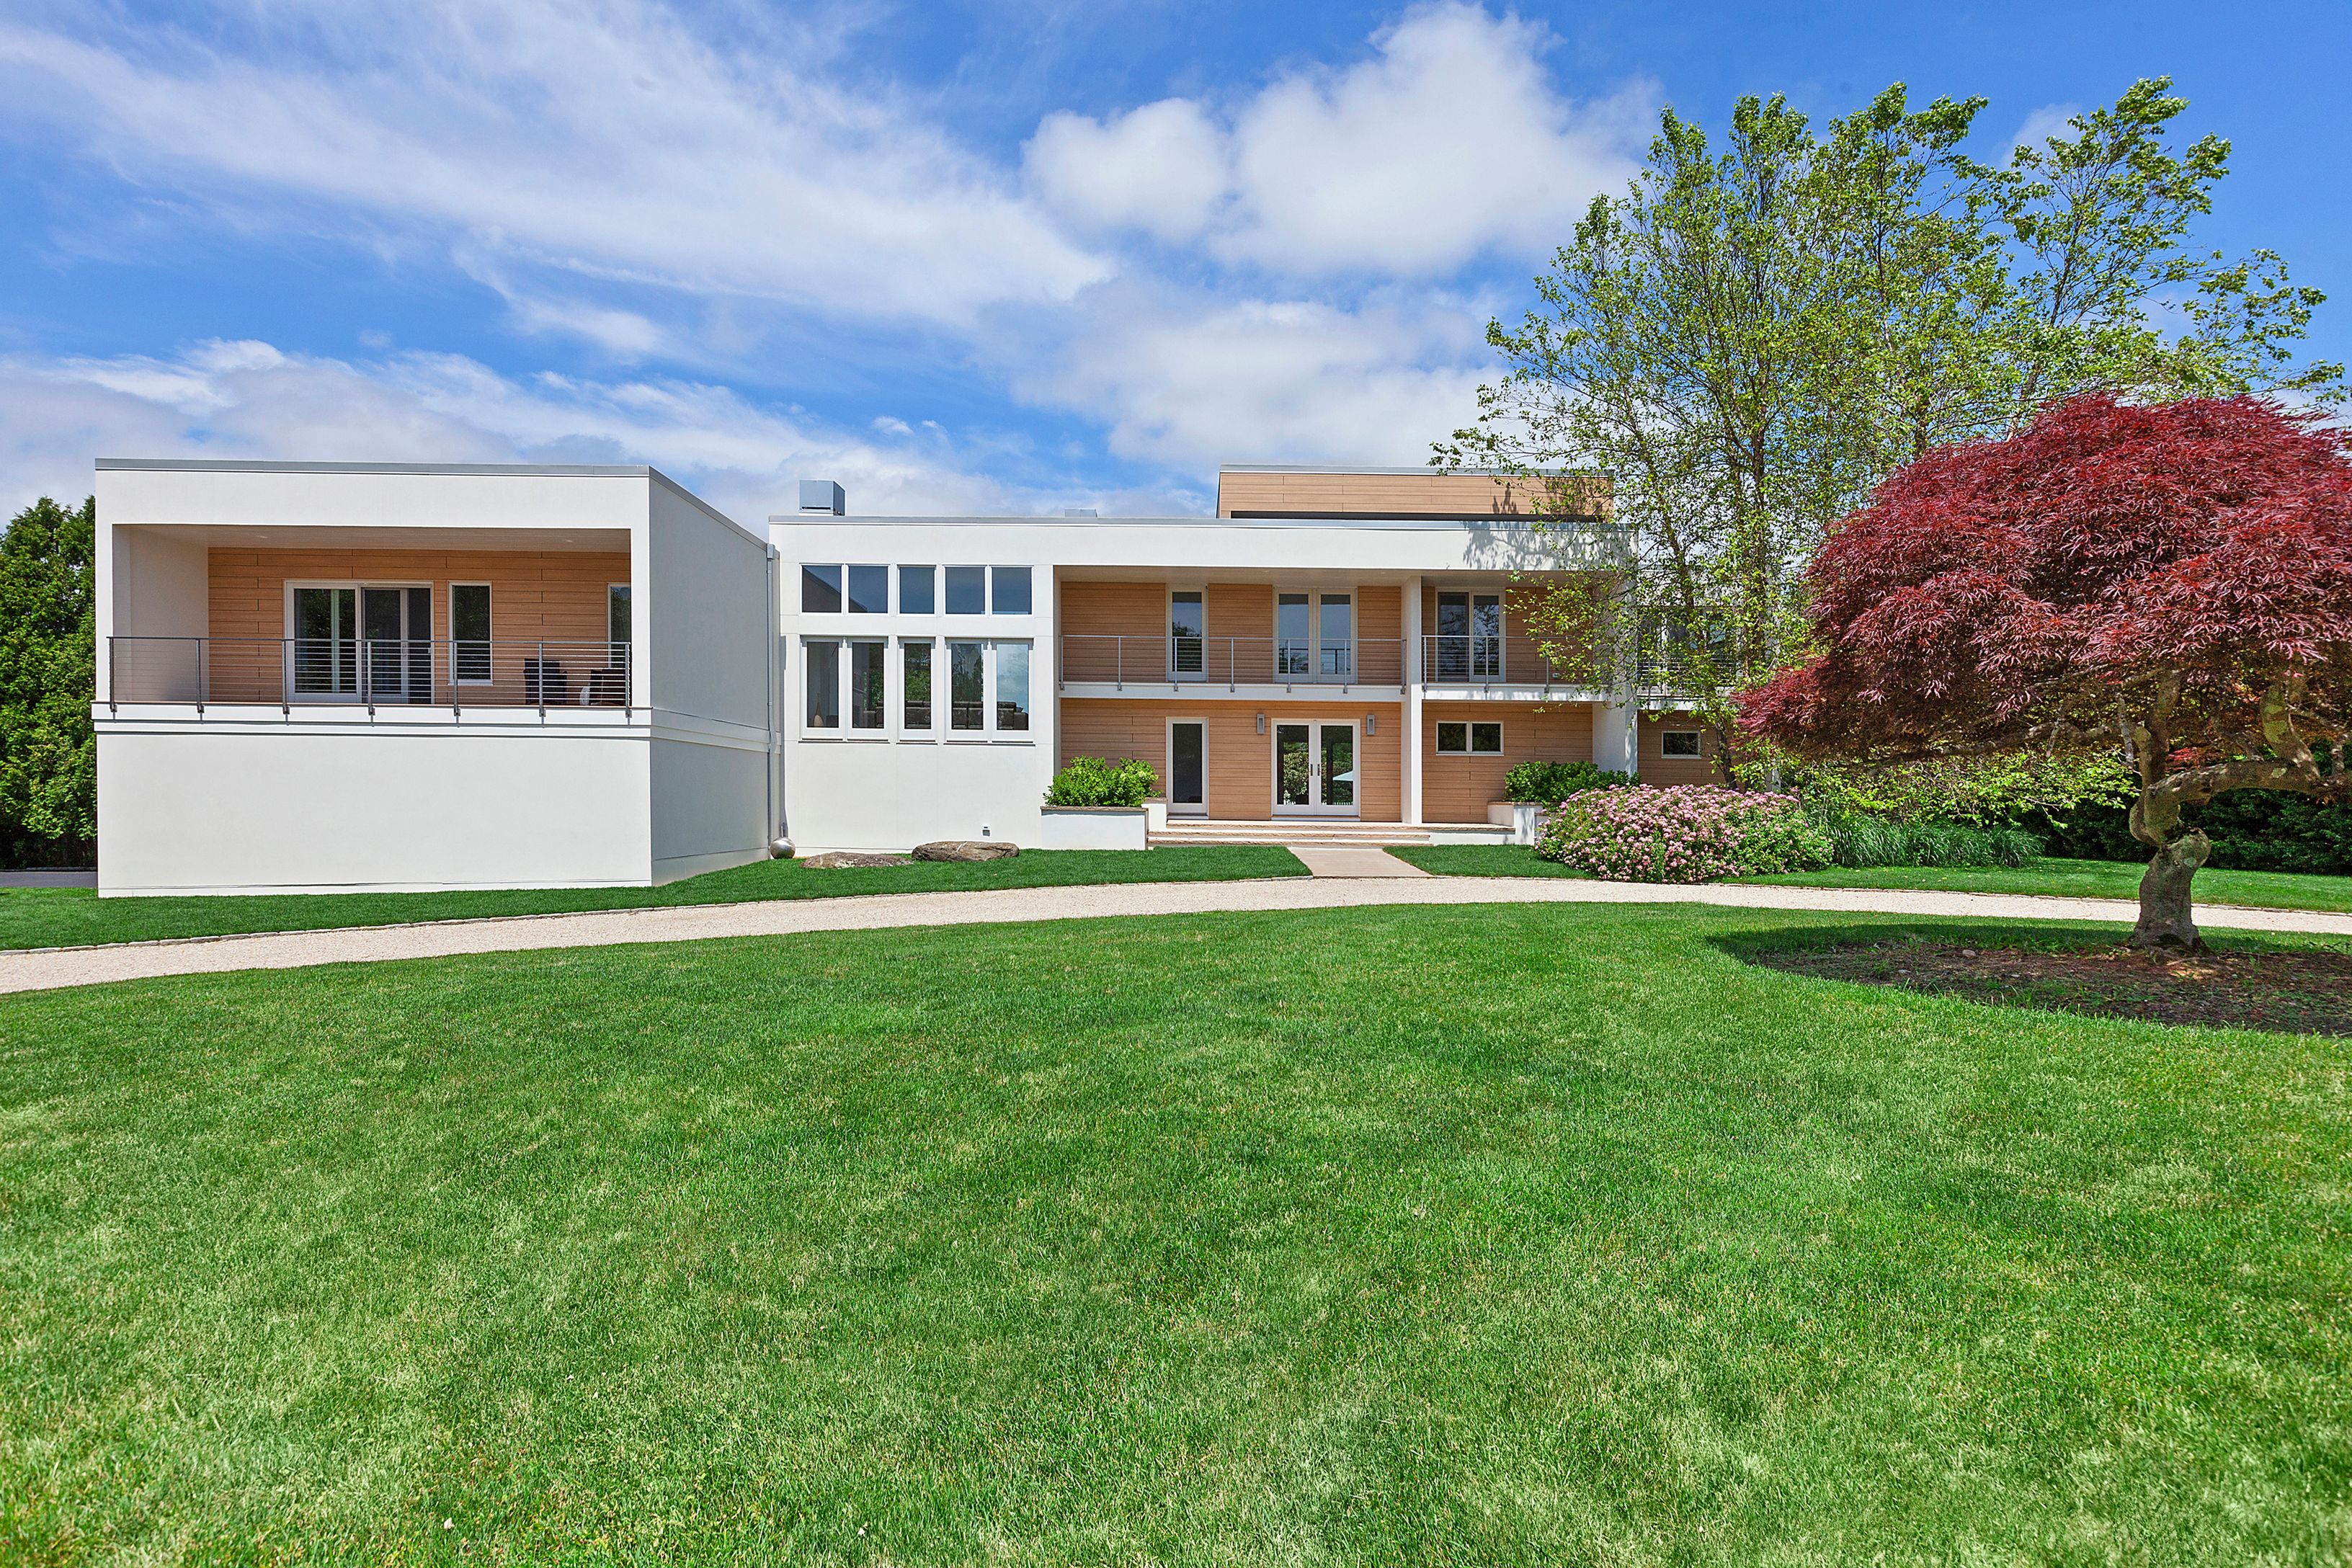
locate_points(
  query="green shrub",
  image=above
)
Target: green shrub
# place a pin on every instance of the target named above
(1092, 781)
(1863, 839)
(1549, 783)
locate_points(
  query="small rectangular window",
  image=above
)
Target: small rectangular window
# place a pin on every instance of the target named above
(917, 590)
(917, 697)
(967, 590)
(824, 686)
(865, 666)
(1013, 687)
(1680, 743)
(820, 590)
(967, 694)
(1011, 590)
(1452, 739)
(869, 590)
(1486, 739)
(470, 633)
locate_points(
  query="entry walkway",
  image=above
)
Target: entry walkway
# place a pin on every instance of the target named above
(294, 950)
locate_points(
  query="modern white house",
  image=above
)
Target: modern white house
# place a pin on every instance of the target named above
(342, 677)
(378, 676)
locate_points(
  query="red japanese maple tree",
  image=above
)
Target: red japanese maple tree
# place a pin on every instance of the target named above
(2172, 582)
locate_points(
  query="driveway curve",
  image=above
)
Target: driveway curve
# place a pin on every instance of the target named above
(57, 968)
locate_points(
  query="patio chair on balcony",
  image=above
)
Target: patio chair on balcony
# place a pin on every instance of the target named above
(543, 682)
(608, 688)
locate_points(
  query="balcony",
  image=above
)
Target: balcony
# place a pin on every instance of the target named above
(1230, 662)
(285, 672)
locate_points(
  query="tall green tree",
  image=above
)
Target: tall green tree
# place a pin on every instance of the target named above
(49, 758)
(1753, 335)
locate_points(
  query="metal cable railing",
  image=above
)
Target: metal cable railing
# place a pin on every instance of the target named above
(372, 671)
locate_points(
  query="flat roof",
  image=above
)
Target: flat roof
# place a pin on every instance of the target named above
(262, 466)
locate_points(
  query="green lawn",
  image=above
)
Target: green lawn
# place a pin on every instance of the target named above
(73, 917)
(2092, 879)
(2067, 879)
(1497, 1234)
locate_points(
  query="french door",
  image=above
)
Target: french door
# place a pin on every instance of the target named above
(1188, 767)
(361, 644)
(1315, 770)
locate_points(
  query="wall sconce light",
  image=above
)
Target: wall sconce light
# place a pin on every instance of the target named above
(1261, 723)
(1371, 721)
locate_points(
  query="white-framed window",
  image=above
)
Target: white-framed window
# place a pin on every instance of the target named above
(919, 590)
(1682, 743)
(915, 685)
(1188, 633)
(1314, 633)
(828, 588)
(847, 688)
(618, 624)
(967, 592)
(1468, 642)
(1469, 738)
(470, 633)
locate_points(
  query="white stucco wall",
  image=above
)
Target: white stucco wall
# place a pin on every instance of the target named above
(877, 794)
(319, 807)
(710, 805)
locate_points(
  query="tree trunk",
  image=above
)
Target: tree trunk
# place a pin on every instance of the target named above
(2165, 917)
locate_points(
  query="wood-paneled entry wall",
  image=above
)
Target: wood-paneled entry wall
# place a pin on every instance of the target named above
(1241, 761)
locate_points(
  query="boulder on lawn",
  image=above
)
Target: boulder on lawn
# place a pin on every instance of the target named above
(834, 860)
(965, 850)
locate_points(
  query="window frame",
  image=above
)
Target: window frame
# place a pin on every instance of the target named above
(1469, 727)
(488, 644)
(1697, 753)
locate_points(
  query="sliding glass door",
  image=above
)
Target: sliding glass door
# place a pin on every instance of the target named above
(360, 643)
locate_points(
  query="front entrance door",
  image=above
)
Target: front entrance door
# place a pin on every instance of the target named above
(1315, 770)
(1188, 767)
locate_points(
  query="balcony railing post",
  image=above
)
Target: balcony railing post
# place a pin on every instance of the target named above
(113, 691)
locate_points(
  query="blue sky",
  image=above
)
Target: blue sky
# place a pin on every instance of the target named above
(965, 255)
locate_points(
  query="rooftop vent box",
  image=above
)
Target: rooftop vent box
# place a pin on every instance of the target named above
(820, 495)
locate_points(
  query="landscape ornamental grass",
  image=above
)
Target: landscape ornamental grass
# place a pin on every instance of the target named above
(1684, 833)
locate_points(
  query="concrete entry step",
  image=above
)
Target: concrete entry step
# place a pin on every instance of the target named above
(1338, 832)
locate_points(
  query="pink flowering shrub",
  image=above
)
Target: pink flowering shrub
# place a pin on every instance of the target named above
(1687, 833)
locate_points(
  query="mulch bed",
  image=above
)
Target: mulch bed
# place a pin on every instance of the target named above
(2302, 993)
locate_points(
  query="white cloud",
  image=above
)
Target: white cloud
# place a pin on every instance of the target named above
(1192, 384)
(250, 399)
(1450, 141)
(2051, 120)
(1162, 168)
(609, 142)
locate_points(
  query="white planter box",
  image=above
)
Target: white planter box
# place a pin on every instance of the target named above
(1524, 820)
(1093, 828)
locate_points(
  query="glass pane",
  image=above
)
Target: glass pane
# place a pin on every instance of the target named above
(616, 614)
(382, 624)
(1187, 764)
(1012, 685)
(967, 590)
(1187, 620)
(869, 590)
(1339, 764)
(1454, 614)
(1011, 589)
(1487, 739)
(820, 590)
(1452, 653)
(1293, 767)
(1336, 634)
(917, 696)
(917, 590)
(325, 653)
(420, 644)
(1293, 652)
(1452, 737)
(470, 627)
(824, 685)
(966, 700)
(1486, 635)
(865, 685)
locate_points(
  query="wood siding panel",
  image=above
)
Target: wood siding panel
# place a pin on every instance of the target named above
(1114, 631)
(1459, 789)
(1656, 768)
(1393, 495)
(552, 595)
(1241, 761)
